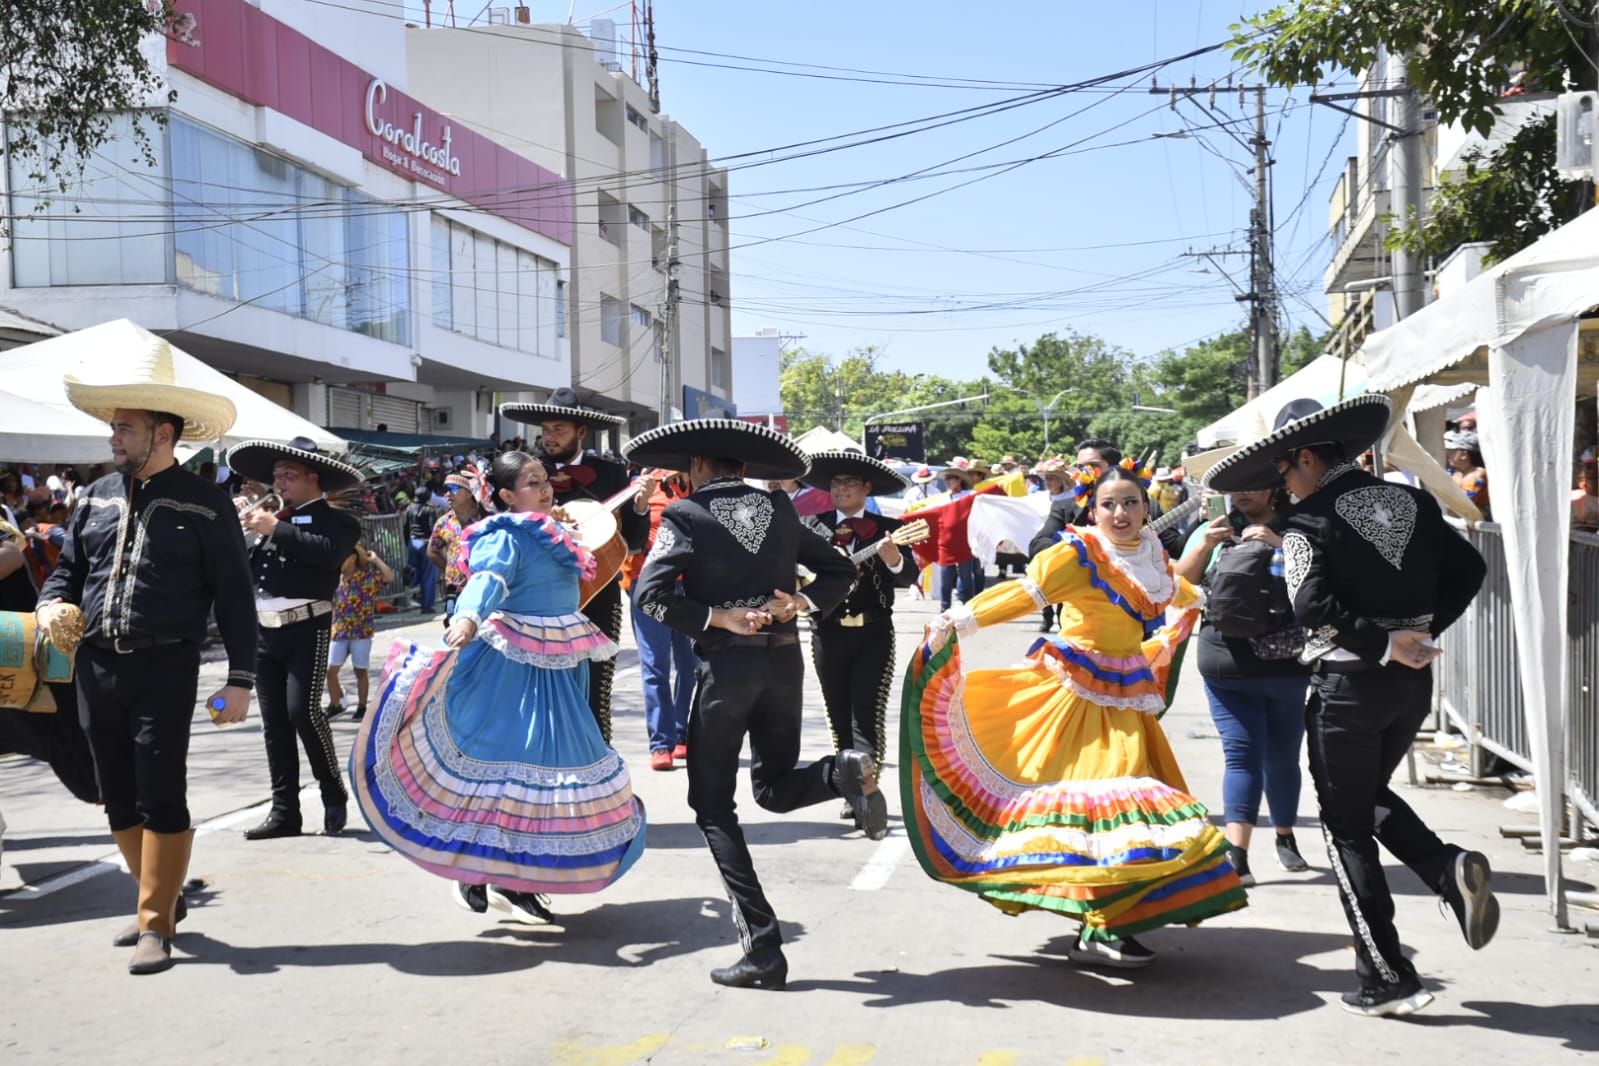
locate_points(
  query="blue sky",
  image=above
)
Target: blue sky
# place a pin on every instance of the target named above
(1091, 240)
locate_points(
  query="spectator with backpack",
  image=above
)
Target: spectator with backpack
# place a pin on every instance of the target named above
(1248, 647)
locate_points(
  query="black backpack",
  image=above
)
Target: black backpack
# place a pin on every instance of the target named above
(1243, 597)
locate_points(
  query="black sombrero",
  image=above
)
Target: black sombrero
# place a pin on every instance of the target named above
(883, 480)
(767, 455)
(562, 406)
(1353, 425)
(256, 458)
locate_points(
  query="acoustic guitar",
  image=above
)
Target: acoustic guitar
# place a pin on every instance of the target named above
(595, 527)
(906, 535)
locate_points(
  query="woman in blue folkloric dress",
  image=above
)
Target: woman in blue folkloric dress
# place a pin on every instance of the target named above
(483, 764)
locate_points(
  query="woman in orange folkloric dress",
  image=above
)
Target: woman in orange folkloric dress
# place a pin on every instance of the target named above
(1051, 786)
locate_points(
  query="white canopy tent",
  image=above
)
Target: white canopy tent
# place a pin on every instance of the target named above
(33, 374)
(821, 439)
(1514, 331)
(37, 432)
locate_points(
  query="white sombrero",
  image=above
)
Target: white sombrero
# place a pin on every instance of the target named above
(151, 385)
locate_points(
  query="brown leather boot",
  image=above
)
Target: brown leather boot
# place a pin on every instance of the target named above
(164, 863)
(130, 842)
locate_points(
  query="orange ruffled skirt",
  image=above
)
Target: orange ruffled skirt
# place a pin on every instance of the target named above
(1022, 786)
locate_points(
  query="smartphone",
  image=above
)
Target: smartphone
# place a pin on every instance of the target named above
(1215, 507)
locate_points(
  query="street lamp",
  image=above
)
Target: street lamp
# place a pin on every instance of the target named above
(1156, 410)
(1044, 410)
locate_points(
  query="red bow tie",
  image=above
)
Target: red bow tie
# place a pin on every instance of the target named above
(859, 529)
(285, 514)
(572, 478)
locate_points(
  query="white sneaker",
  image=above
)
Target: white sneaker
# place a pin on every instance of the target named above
(524, 907)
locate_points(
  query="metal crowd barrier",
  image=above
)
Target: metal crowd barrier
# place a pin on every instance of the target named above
(1479, 681)
(385, 534)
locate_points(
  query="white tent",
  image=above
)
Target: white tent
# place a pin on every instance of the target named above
(1326, 379)
(38, 432)
(821, 439)
(1514, 330)
(34, 373)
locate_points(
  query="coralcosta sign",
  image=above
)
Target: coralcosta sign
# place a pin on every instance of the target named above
(410, 141)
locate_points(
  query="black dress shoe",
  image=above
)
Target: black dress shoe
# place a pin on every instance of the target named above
(334, 818)
(276, 825)
(855, 777)
(765, 970)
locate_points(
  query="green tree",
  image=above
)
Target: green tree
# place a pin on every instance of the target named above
(67, 71)
(1094, 375)
(1208, 380)
(1462, 55)
(1509, 197)
(1298, 350)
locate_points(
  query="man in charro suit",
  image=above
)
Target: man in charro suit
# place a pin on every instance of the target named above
(295, 568)
(579, 473)
(736, 550)
(1375, 574)
(853, 644)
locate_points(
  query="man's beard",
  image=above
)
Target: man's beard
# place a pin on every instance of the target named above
(566, 455)
(133, 460)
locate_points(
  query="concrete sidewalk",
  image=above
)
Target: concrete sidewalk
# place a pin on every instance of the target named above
(332, 950)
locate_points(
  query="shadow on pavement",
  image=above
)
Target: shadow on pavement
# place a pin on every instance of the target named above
(686, 835)
(1243, 974)
(627, 935)
(1575, 1025)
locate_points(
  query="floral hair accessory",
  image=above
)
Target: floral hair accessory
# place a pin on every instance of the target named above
(1084, 478)
(1144, 471)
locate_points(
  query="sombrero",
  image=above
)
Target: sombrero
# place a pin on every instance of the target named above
(151, 385)
(964, 467)
(882, 479)
(923, 475)
(562, 406)
(767, 455)
(1353, 426)
(256, 458)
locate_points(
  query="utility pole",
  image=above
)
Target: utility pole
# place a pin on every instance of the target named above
(1262, 294)
(1404, 181)
(652, 59)
(1265, 278)
(669, 316)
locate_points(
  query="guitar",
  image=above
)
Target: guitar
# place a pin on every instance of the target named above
(906, 535)
(595, 527)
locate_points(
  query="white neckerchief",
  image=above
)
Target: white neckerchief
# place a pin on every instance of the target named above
(1144, 565)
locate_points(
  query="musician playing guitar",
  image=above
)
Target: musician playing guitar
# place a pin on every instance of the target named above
(577, 473)
(853, 645)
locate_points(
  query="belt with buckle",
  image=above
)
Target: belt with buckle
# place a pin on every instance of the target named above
(129, 645)
(303, 613)
(856, 621)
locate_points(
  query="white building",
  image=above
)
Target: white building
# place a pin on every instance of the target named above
(552, 95)
(355, 219)
(757, 370)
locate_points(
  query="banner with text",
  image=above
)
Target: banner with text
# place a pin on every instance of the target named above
(897, 440)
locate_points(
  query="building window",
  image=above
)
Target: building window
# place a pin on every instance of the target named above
(637, 119)
(638, 218)
(607, 116)
(494, 291)
(641, 318)
(657, 156)
(109, 228)
(608, 210)
(719, 369)
(658, 248)
(610, 320)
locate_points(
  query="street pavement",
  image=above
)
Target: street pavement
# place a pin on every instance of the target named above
(329, 950)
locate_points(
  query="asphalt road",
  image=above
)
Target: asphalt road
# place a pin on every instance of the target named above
(324, 950)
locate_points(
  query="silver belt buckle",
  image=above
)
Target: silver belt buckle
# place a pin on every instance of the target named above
(116, 646)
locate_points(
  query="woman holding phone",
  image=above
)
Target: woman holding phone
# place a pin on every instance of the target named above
(1256, 685)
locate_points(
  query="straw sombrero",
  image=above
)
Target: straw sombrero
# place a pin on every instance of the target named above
(1353, 426)
(256, 458)
(923, 475)
(151, 385)
(767, 454)
(881, 479)
(562, 406)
